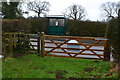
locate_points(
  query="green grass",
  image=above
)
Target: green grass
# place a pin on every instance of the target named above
(33, 66)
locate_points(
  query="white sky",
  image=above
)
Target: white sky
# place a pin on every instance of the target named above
(91, 6)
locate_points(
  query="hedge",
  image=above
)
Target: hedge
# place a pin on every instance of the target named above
(74, 27)
(112, 35)
(86, 28)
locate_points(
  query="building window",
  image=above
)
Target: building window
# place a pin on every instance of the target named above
(56, 22)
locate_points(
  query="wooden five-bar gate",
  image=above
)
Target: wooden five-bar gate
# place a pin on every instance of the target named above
(74, 47)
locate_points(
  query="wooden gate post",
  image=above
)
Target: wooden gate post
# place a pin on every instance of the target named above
(42, 44)
(38, 43)
(106, 51)
(10, 44)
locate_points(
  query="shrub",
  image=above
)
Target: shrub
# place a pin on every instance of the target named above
(37, 25)
(15, 25)
(85, 28)
(112, 35)
(74, 27)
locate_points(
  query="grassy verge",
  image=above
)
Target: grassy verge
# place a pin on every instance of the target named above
(32, 66)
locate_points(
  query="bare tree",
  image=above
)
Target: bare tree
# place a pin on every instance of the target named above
(110, 9)
(76, 12)
(39, 7)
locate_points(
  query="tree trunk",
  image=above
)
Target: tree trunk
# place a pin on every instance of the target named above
(38, 14)
(75, 16)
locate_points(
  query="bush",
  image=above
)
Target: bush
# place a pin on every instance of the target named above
(112, 35)
(74, 27)
(85, 28)
(15, 25)
(37, 25)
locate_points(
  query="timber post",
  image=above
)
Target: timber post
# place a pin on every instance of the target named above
(38, 43)
(107, 48)
(106, 51)
(10, 44)
(42, 44)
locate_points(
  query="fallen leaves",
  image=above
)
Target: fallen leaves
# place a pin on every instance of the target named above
(109, 74)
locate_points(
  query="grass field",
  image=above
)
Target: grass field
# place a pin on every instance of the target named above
(33, 66)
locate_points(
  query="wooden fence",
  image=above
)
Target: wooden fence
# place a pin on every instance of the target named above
(14, 39)
(60, 46)
(84, 47)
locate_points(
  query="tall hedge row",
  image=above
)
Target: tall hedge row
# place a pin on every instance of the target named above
(74, 27)
(86, 28)
(15, 25)
(37, 24)
(28, 25)
(112, 35)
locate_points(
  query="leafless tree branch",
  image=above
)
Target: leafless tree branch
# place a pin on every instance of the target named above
(76, 12)
(110, 9)
(39, 7)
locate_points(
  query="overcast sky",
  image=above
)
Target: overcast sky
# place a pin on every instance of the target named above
(91, 6)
